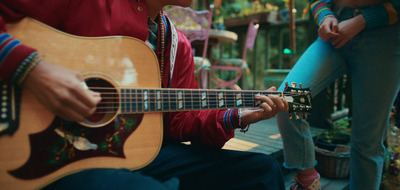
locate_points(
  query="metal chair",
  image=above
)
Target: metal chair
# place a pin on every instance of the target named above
(218, 79)
(196, 26)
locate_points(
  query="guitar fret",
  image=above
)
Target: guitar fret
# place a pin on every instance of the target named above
(158, 100)
(196, 99)
(152, 100)
(204, 100)
(145, 101)
(188, 100)
(221, 99)
(212, 99)
(133, 99)
(129, 101)
(139, 100)
(230, 99)
(238, 99)
(173, 98)
(123, 99)
(165, 100)
(248, 99)
(181, 100)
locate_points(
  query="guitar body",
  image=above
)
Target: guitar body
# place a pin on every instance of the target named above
(44, 147)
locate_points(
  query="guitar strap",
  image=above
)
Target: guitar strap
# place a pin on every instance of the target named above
(173, 51)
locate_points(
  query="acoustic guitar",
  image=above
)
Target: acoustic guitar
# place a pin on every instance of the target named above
(36, 147)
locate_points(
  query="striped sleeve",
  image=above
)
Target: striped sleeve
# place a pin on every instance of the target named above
(230, 119)
(382, 14)
(12, 55)
(320, 10)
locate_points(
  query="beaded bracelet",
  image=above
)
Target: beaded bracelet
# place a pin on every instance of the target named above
(244, 129)
(23, 70)
(32, 65)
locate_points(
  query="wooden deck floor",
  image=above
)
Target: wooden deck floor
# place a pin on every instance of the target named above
(264, 137)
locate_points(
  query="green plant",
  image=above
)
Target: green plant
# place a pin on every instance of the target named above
(338, 134)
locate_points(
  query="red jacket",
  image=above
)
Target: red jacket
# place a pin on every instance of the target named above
(127, 18)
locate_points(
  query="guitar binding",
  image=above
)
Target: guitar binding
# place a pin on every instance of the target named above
(9, 108)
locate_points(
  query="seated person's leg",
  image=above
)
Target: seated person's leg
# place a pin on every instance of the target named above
(199, 167)
(111, 179)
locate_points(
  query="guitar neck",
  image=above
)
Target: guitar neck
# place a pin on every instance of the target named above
(167, 100)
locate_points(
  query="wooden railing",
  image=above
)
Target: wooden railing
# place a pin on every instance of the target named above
(269, 64)
(267, 58)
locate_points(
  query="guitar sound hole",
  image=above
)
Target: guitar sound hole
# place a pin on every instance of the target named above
(109, 105)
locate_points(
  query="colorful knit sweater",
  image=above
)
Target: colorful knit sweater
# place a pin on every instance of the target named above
(381, 14)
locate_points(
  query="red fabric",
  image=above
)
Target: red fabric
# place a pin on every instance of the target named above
(124, 17)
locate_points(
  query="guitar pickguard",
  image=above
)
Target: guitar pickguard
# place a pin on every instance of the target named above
(65, 142)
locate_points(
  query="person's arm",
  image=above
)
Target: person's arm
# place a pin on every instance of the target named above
(207, 127)
(320, 10)
(58, 89)
(326, 20)
(372, 17)
(211, 127)
(14, 56)
(381, 14)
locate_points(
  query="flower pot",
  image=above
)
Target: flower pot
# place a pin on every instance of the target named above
(333, 161)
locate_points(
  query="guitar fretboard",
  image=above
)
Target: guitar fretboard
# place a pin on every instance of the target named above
(166, 100)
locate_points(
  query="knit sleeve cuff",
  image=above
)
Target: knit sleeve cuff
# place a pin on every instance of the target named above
(320, 10)
(379, 15)
(229, 119)
(12, 55)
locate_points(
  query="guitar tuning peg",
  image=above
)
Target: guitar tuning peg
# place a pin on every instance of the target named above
(293, 84)
(290, 116)
(297, 116)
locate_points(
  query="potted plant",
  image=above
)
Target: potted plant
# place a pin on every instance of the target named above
(332, 150)
(339, 134)
(391, 169)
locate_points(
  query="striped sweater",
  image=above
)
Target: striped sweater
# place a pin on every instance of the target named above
(375, 16)
(12, 56)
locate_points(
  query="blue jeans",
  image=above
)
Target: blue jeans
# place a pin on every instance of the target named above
(373, 59)
(183, 167)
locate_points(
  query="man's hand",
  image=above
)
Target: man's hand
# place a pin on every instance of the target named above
(348, 29)
(271, 105)
(60, 90)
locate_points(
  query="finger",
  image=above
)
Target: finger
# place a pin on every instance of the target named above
(335, 27)
(279, 103)
(267, 111)
(322, 35)
(286, 107)
(271, 89)
(332, 35)
(74, 106)
(87, 97)
(341, 44)
(336, 41)
(268, 104)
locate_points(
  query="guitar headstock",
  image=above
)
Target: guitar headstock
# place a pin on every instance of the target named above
(299, 100)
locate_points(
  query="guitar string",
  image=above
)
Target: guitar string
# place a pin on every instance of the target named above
(202, 90)
(174, 98)
(139, 108)
(199, 93)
